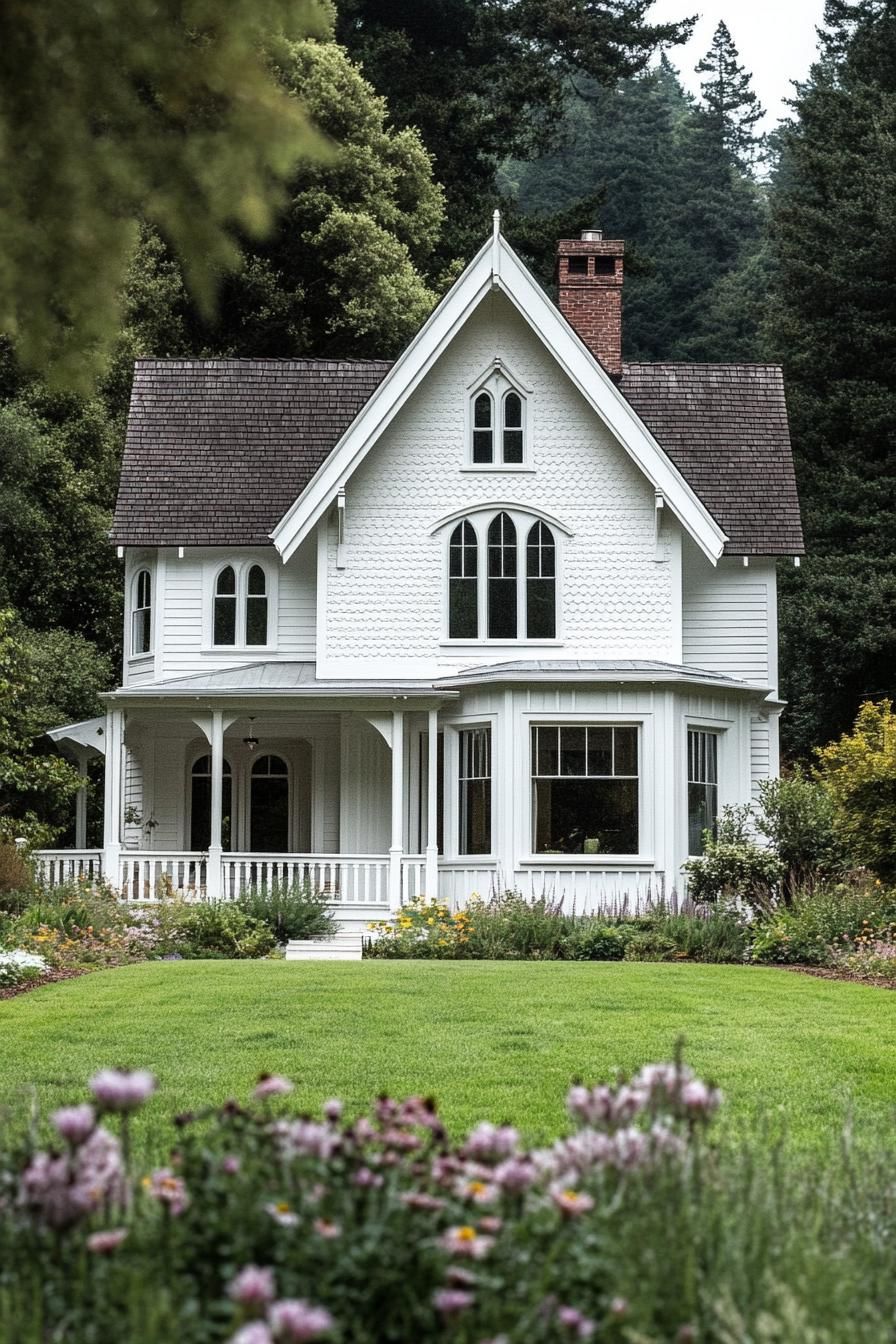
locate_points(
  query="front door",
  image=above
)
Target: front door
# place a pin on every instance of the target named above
(269, 806)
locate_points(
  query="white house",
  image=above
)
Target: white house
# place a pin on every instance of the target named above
(500, 614)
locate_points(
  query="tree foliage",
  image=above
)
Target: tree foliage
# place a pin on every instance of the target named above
(859, 773)
(158, 110)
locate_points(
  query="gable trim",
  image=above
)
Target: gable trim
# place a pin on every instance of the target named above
(496, 267)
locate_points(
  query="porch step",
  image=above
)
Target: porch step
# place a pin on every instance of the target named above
(343, 946)
(356, 918)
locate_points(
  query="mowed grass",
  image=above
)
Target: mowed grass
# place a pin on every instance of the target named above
(493, 1040)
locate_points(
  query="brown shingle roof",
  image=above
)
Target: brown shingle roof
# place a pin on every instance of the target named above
(218, 450)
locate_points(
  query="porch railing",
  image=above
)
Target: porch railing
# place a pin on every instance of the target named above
(55, 866)
(152, 875)
(347, 879)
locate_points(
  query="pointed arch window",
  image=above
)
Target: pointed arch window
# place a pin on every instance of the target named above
(483, 429)
(512, 438)
(225, 606)
(502, 572)
(141, 619)
(463, 583)
(256, 606)
(541, 583)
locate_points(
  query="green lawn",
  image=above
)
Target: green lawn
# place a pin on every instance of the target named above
(489, 1039)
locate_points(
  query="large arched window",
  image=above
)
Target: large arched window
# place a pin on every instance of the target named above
(225, 606)
(201, 805)
(463, 583)
(502, 572)
(269, 806)
(483, 429)
(256, 606)
(541, 583)
(141, 619)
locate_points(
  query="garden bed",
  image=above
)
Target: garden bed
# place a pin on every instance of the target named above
(51, 977)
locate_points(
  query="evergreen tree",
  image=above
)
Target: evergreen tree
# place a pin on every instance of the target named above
(833, 323)
(731, 110)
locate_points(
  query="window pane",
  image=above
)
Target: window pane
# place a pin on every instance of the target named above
(625, 751)
(702, 814)
(226, 581)
(586, 816)
(256, 620)
(482, 445)
(463, 616)
(482, 411)
(540, 557)
(483, 435)
(572, 751)
(600, 751)
(225, 620)
(541, 621)
(513, 446)
(474, 791)
(257, 582)
(201, 807)
(513, 428)
(502, 578)
(545, 750)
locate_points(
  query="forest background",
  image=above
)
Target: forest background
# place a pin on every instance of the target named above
(563, 113)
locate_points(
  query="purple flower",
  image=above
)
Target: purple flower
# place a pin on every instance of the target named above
(230, 1164)
(252, 1287)
(572, 1319)
(516, 1174)
(256, 1332)
(271, 1085)
(297, 1320)
(61, 1190)
(75, 1123)
(327, 1230)
(333, 1110)
(572, 1203)
(168, 1189)
(491, 1142)
(452, 1301)
(365, 1179)
(118, 1090)
(699, 1099)
(419, 1199)
(104, 1243)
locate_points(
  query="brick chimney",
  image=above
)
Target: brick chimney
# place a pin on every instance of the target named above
(589, 292)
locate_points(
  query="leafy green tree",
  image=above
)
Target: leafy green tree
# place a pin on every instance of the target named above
(796, 815)
(487, 82)
(859, 773)
(833, 323)
(159, 110)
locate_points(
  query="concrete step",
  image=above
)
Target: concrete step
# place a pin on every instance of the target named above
(344, 946)
(356, 918)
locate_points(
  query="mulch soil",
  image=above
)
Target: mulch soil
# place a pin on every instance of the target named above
(825, 973)
(50, 978)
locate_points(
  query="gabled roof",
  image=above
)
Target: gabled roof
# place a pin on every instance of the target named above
(217, 450)
(234, 451)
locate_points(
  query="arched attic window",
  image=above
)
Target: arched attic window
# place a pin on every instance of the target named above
(141, 618)
(502, 572)
(541, 583)
(256, 606)
(225, 607)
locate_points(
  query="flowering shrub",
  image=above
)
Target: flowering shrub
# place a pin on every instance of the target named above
(265, 1226)
(19, 968)
(819, 926)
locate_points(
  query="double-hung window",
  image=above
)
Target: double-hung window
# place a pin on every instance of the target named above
(585, 794)
(240, 615)
(474, 800)
(498, 428)
(141, 618)
(703, 787)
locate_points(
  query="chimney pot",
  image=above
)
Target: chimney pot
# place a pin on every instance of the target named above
(592, 235)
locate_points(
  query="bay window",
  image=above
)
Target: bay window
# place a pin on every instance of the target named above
(703, 787)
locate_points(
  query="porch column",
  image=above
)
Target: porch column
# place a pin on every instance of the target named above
(396, 846)
(215, 848)
(432, 808)
(81, 804)
(112, 797)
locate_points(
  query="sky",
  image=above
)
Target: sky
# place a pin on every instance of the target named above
(775, 38)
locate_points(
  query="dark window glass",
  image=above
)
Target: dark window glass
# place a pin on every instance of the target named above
(502, 578)
(463, 569)
(475, 791)
(577, 266)
(201, 805)
(141, 628)
(604, 266)
(513, 428)
(585, 789)
(256, 607)
(423, 790)
(541, 596)
(483, 429)
(225, 607)
(703, 787)
(269, 806)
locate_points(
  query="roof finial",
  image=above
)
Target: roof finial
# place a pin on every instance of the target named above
(497, 224)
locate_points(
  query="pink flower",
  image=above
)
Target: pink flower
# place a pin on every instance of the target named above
(61, 1190)
(271, 1085)
(419, 1199)
(699, 1099)
(306, 1138)
(256, 1332)
(452, 1301)
(572, 1319)
(282, 1214)
(294, 1319)
(516, 1174)
(168, 1189)
(252, 1287)
(230, 1164)
(119, 1090)
(365, 1179)
(466, 1241)
(333, 1110)
(75, 1123)
(329, 1231)
(490, 1224)
(491, 1142)
(103, 1243)
(618, 1308)
(572, 1203)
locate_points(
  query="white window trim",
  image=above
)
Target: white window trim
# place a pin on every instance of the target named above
(451, 817)
(148, 655)
(646, 771)
(241, 762)
(241, 570)
(523, 520)
(727, 781)
(498, 381)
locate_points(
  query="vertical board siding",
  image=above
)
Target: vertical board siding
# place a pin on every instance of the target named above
(726, 623)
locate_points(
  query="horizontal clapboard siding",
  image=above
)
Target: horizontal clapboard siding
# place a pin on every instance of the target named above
(760, 752)
(726, 619)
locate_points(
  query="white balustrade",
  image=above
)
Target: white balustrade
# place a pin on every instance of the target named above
(413, 878)
(345, 879)
(153, 875)
(55, 866)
